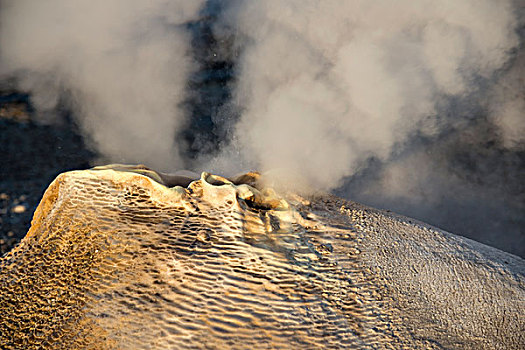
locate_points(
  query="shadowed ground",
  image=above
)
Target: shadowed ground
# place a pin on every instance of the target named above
(115, 259)
(31, 156)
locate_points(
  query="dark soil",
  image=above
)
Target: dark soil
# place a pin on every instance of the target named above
(31, 156)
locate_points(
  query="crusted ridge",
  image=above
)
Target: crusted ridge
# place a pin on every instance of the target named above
(123, 257)
(116, 259)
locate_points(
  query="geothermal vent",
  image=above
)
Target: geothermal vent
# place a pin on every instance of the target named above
(123, 257)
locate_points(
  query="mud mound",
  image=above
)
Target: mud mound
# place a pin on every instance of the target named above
(116, 259)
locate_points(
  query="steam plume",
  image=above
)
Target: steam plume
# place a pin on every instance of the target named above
(415, 106)
(123, 62)
(325, 85)
(411, 106)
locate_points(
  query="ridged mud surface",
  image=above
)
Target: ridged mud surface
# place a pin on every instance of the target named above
(115, 259)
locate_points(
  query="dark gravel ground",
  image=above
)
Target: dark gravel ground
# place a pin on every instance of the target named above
(31, 156)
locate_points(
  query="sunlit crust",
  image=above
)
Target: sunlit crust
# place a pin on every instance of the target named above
(125, 257)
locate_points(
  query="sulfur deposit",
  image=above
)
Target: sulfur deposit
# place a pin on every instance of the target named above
(122, 257)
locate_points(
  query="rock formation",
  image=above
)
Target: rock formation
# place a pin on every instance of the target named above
(122, 257)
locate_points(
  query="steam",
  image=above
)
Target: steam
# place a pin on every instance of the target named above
(415, 106)
(124, 63)
(325, 85)
(507, 104)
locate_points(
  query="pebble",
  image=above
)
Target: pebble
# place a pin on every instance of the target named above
(18, 209)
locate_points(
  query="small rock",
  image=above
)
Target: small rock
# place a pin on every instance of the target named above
(18, 209)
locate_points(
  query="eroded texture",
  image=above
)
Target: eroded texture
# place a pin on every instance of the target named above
(114, 259)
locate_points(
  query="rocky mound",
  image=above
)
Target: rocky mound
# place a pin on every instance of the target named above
(124, 257)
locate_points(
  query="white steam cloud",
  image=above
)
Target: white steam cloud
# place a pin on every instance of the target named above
(124, 62)
(405, 104)
(324, 85)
